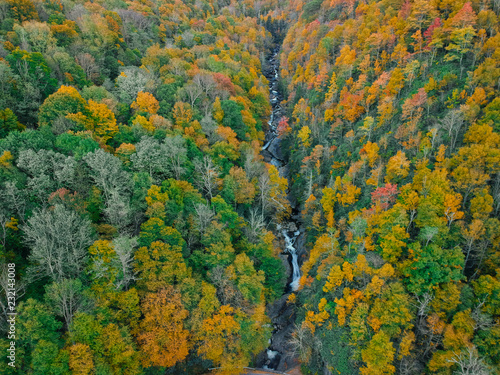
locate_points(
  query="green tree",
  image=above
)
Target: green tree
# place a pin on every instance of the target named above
(8, 122)
(234, 119)
(64, 101)
(430, 265)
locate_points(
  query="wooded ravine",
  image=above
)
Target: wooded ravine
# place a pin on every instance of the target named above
(193, 187)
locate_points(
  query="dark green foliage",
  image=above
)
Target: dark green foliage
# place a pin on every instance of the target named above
(310, 8)
(8, 122)
(37, 69)
(74, 145)
(166, 96)
(335, 349)
(30, 139)
(233, 119)
(432, 265)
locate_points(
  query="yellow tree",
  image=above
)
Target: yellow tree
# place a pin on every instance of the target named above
(348, 193)
(219, 340)
(452, 207)
(64, 101)
(303, 134)
(370, 152)
(277, 194)
(346, 60)
(160, 265)
(328, 201)
(378, 356)
(102, 120)
(80, 359)
(397, 167)
(145, 102)
(162, 337)
(244, 190)
(98, 118)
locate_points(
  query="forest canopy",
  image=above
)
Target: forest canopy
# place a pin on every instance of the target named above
(145, 223)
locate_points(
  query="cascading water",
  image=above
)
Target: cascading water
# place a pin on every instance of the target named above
(276, 354)
(273, 150)
(290, 249)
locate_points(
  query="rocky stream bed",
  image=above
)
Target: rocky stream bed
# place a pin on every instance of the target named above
(279, 355)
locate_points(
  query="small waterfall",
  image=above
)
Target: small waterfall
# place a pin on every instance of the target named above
(271, 149)
(273, 358)
(290, 249)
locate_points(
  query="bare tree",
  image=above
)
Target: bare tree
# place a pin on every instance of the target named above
(303, 343)
(206, 83)
(77, 13)
(209, 127)
(422, 328)
(253, 167)
(193, 92)
(482, 320)
(129, 83)
(264, 187)
(4, 220)
(88, 64)
(408, 366)
(256, 224)
(423, 303)
(147, 156)
(453, 122)
(188, 38)
(176, 155)
(58, 240)
(135, 19)
(434, 136)
(47, 170)
(227, 292)
(496, 193)
(118, 211)
(7, 78)
(162, 160)
(23, 37)
(124, 248)
(178, 67)
(107, 173)
(4, 9)
(469, 362)
(204, 216)
(207, 176)
(428, 233)
(14, 199)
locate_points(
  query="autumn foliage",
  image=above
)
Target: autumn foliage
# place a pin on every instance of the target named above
(400, 202)
(146, 225)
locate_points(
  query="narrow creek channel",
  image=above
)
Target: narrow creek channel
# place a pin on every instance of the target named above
(278, 355)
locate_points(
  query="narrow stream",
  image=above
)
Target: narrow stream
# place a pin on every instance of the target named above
(282, 315)
(273, 150)
(290, 249)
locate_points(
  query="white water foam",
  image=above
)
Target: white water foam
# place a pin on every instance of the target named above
(290, 249)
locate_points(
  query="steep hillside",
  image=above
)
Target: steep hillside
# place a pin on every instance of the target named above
(134, 202)
(142, 231)
(393, 141)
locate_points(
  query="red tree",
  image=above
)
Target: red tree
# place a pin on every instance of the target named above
(385, 196)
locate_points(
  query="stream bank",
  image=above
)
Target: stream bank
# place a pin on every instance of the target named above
(279, 355)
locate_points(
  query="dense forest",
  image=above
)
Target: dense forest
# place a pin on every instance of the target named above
(393, 140)
(144, 223)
